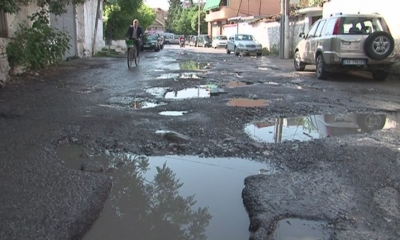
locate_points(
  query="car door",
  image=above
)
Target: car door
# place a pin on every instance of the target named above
(229, 44)
(308, 45)
(316, 41)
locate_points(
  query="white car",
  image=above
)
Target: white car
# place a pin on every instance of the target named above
(219, 41)
(243, 44)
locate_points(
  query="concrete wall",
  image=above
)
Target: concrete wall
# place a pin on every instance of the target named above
(14, 20)
(85, 22)
(4, 67)
(389, 9)
(268, 34)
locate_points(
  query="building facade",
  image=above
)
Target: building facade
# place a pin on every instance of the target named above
(159, 23)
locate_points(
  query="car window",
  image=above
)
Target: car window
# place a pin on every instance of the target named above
(244, 37)
(330, 25)
(362, 25)
(320, 27)
(222, 37)
(312, 31)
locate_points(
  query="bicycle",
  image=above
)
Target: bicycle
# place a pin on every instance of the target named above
(131, 53)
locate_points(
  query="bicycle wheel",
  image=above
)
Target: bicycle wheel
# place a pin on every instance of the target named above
(136, 57)
(129, 57)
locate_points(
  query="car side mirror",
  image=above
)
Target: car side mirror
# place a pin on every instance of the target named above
(302, 35)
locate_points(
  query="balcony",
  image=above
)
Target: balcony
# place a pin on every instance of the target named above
(223, 13)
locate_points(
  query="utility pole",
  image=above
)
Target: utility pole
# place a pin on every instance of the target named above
(287, 30)
(198, 18)
(96, 23)
(282, 28)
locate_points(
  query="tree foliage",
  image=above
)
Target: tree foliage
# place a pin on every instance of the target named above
(119, 14)
(185, 21)
(56, 7)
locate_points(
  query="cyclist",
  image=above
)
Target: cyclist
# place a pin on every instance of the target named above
(135, 33)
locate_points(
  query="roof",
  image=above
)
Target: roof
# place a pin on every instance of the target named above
(211, 4)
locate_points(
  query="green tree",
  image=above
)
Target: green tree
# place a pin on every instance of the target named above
(119, 15)
(55, 7)
(203, 23)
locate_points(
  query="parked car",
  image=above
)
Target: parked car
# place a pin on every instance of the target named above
(203, 41)
(345, 42)
(193, 41)
(151, 42)
(219, 41)
(243, 44)
(174, 39)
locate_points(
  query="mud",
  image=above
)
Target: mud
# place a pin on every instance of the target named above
(348, 181)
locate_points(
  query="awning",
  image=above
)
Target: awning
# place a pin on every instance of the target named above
(211, 4)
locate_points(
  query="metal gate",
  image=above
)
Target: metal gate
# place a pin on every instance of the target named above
(66, 23)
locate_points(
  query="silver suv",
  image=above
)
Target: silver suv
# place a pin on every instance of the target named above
(344, 42)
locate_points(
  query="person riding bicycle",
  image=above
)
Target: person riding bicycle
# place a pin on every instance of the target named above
(181, 40)
(135, 33)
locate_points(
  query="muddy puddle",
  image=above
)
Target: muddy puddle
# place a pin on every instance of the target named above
(307, 128)
(193, 65)
(247, 102)
(132, 103)
(199, 92)
(157, 92)
(295, 229)
(168, 76)
(162, 197)
(234, 84)
(173, 113)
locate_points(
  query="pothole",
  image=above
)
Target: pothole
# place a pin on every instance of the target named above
(193, 65)
(247, 102)
(173, 113)
(142, 186)
(190, 76)
(294, 228)
(157, 92)
(233, 84)
(268, 68)
(133, 103)
(199, 92)
(317, 126)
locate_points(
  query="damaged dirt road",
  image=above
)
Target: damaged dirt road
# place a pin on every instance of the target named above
(312, 163)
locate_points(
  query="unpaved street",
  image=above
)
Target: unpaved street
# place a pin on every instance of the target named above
(93, 133)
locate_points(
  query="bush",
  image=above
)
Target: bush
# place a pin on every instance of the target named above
(37, 46)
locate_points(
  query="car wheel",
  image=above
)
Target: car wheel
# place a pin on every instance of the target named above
(259, 54)
(320, 68)
(371, 122)
(298, 64)
(236, 52)
(379, 45)
(380, 75)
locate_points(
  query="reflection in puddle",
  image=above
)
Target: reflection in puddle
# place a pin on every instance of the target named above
(153, 198)
(189, 76)
(168, 76)
(173, 113)
(317, 126)
(158, 92)
(193, 65)
(133, 103)
(246, 102)
(238, 84)
(200, 92)
(294, 229)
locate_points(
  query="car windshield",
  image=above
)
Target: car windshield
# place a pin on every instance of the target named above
(150, 38)
(221, 38)
(362, 25)
(244, 37)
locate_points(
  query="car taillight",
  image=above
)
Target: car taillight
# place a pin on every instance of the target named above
(337, 27)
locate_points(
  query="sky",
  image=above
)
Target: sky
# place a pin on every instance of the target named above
(160, 3)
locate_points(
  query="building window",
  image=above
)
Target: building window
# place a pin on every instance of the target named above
(3, 24)
(225, 3)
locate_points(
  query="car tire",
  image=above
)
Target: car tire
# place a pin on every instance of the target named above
(377, 40)
(371, 122)
(322, 74)
(227, 51)
(380, 75)
(236, 52)
(298, 65)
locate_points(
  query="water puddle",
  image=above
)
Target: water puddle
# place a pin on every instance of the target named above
(173, 113)
(157, 92)
(189, 76)
(133, 103)
(193, 65)
(164, 197)
(294, 229)
(200, 92)
(168, 76)
(268, 68)
(233, 84)
(307, 128)
(247, 102)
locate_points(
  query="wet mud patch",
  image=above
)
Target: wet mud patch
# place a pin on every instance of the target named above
(247, 102)
(168, 76)
(158, 92)
(142, 186)
(294, 228)
(275, 130)
(233, 84)
(268, 68)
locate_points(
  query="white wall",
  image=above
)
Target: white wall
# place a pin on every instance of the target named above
(14, 20)
(85, 19)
